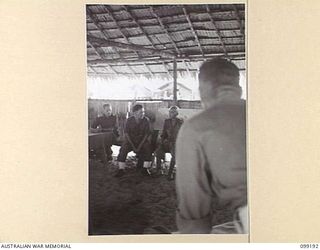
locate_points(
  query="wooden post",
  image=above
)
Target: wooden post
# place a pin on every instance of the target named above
(175, 99)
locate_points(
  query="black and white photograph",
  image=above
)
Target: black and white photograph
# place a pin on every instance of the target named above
(167, 112)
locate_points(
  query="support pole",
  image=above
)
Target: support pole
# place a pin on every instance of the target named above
(175, 99)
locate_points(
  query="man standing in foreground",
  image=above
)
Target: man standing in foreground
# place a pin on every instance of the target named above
(211, 150)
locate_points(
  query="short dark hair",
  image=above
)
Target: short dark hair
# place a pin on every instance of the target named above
(106, 105)
(174, 107)
(137, 107)
(219, 71)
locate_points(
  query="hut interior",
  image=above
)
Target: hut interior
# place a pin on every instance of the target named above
(141, 43)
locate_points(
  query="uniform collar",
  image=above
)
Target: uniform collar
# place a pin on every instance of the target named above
(226, 95)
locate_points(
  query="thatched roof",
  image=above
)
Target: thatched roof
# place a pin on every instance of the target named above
(142, 40)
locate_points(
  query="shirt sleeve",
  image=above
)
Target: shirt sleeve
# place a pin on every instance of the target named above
(147, 128)
(95, 123)
(193, 189)
(126, 126)
(116, 126)
(164, 134)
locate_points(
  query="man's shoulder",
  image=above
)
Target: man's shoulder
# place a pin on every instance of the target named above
(130, 119)
(199, 118)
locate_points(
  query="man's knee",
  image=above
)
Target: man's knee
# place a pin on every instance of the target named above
(124, 150)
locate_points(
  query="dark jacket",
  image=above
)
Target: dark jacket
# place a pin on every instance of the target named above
(170, 130)
(137, 131)
(106, 123)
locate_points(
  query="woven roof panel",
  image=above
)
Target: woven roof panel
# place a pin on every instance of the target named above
(191, 32)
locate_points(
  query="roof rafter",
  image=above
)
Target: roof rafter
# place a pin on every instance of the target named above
(193, 12)
(144, 39)
(167, 70)
(201, 37)
(146, 35)
(239, 20)
(149, 70)
(96, 22)
(102, 58)
(168, 35)
(217, 30)
(192, 29)
(137, 23)
(124, 36)
(178, 29)
(190, 58)
(129, 46)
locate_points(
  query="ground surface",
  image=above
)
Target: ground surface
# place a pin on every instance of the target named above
(132, 203)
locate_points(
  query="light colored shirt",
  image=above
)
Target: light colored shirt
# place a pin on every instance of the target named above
(211, 163)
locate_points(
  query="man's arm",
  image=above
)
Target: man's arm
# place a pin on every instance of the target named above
(193, 188)
(127, 132)
(142, 141)
(130, 141)
(96, 126)
(164, 134)
(116, 127)
(147, 132)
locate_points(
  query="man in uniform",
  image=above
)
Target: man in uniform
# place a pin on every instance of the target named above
(211, 151)
(137, 132)
(168, 139)
(107, 123)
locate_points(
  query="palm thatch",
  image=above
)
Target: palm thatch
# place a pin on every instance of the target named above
(145, 40)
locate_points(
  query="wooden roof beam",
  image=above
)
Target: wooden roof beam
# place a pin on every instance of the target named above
(102, 57)
(217, 30)
(160, 72)
(168, 35)
(156, 73)
(98, 25)
(149, 70)
(192, 29)
(100, 28)
(119, 27)
(239, 20)
(192, 12)
(191, 58)
(178, 30)
(124, 36)
(164, 29)
(129, 46)
(167, 70)
(139, 26)
(146, 35)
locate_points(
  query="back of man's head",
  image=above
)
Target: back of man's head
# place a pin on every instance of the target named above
(219, 72)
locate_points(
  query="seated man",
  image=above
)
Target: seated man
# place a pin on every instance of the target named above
(137, 130)
(168, 138)
(107, 122)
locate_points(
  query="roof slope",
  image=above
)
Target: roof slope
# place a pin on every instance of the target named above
(142, 40)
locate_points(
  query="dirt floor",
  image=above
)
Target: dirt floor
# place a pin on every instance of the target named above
(132, 203)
